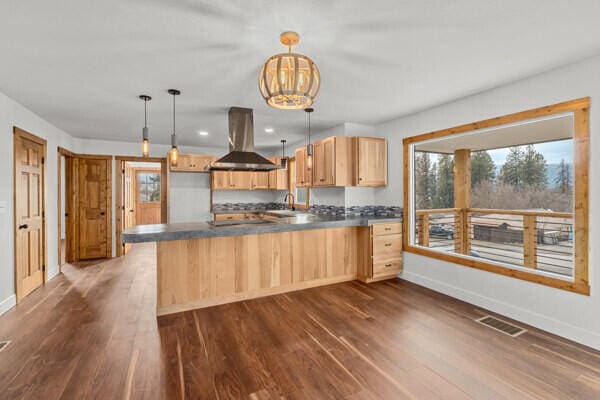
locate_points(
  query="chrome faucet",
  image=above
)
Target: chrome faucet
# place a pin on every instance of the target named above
(287, 197)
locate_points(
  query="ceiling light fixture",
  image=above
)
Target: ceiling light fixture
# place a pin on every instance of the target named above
(269, 130)
(174, 151)
(289, 81)
(145, 134)
(202, 133)
(309, 146)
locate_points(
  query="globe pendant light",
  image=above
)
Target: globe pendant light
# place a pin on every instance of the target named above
(289, 80)
(309, 146)
(174, 151)
(145, 135)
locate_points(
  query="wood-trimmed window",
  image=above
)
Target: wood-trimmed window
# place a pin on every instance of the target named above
(456, 223)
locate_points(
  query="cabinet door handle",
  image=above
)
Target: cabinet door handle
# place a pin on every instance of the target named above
(388, 264)
(24, 226)
(102, 213)
(388, 244)
(360, 179)
(388, 229)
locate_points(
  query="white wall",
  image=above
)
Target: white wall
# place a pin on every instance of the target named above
(567, 314)
(13, 114)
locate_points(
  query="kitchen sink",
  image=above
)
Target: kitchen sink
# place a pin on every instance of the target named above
(242, 222)
(287, 213)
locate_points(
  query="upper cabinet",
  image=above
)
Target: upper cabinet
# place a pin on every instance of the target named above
(371, 161)
(303, 173)
(343, 161)
(332, 162)
(278, 178)
(260, 180)
(192, 163)
(249, 180)
(231, 180)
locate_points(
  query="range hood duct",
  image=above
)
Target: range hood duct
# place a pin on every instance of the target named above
(241, 156)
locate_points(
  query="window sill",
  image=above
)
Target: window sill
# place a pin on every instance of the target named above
(579, 287)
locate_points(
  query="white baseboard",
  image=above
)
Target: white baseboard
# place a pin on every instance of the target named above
(8, 303)
(560, 328)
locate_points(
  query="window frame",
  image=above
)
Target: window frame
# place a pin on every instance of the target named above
(580, 110)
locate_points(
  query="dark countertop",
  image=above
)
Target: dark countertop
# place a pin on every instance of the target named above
(193, 230)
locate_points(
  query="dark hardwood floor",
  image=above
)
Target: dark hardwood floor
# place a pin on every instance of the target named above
(91, 333)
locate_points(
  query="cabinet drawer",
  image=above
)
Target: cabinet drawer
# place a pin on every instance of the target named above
(229, 217)
(389, 246)
(387, 266)
(387, 228)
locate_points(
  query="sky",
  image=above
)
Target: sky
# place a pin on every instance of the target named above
(553, 152)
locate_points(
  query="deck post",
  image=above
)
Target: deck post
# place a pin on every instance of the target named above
(462, 200)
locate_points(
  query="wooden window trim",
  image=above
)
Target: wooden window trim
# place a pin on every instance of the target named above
(580, 109)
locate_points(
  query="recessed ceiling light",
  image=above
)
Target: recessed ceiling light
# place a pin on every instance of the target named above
(269, 130)
(202, 133)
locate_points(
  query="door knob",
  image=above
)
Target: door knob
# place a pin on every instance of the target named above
(102, 213)
(24, 226)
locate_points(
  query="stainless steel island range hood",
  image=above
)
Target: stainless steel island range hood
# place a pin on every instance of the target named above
(241, 156)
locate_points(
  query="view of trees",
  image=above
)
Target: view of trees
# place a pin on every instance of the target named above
(521, 183)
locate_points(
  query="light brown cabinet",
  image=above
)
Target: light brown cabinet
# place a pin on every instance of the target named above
(278, 178)
(332, 162)
(381, 251)
(260, 180)
(231, 180)
(192, 163)
(229, 217)
(303, 172)
(371, 161)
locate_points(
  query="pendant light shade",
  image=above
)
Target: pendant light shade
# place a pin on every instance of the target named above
(309, 146)
(289, 81)
(174, 154)
(145, 131)
(284, 160)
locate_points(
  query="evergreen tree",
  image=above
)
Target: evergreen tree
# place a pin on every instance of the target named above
(564, 181)
(511, 170)
(534, 168)
(423, 180)
(524, 167)
(445, 182)
(483, 168)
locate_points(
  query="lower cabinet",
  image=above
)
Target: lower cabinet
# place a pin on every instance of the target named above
(381, 251)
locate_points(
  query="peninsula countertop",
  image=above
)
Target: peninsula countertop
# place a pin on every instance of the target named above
(194, 230)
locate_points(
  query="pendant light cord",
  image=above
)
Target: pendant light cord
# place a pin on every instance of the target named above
(145, 113)
(173, 114)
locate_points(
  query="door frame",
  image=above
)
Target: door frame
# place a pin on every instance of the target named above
(120, 176)
(29, 136)
(62, 152)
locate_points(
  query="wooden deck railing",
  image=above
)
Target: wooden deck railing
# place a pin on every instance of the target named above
(534, 225)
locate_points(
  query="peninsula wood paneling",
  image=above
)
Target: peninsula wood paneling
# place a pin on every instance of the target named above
(203, 272)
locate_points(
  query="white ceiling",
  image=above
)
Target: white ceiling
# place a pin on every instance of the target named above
(81, 64)
(548, 129)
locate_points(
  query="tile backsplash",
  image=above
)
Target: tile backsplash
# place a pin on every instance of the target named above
(385, 211)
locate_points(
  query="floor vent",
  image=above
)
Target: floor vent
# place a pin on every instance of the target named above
(4, 344)
(501, 326)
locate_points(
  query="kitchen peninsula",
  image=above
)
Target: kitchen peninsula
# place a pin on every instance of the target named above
(205, 264)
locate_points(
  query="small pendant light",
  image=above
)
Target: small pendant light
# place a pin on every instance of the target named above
(284, 160)
(309, 146)
(145, 135)
(174, 151)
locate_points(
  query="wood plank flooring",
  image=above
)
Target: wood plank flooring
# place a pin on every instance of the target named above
(91, 333)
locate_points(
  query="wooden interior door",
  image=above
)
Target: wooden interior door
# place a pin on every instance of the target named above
(93, 208)
(30, 246)
(147, 197)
